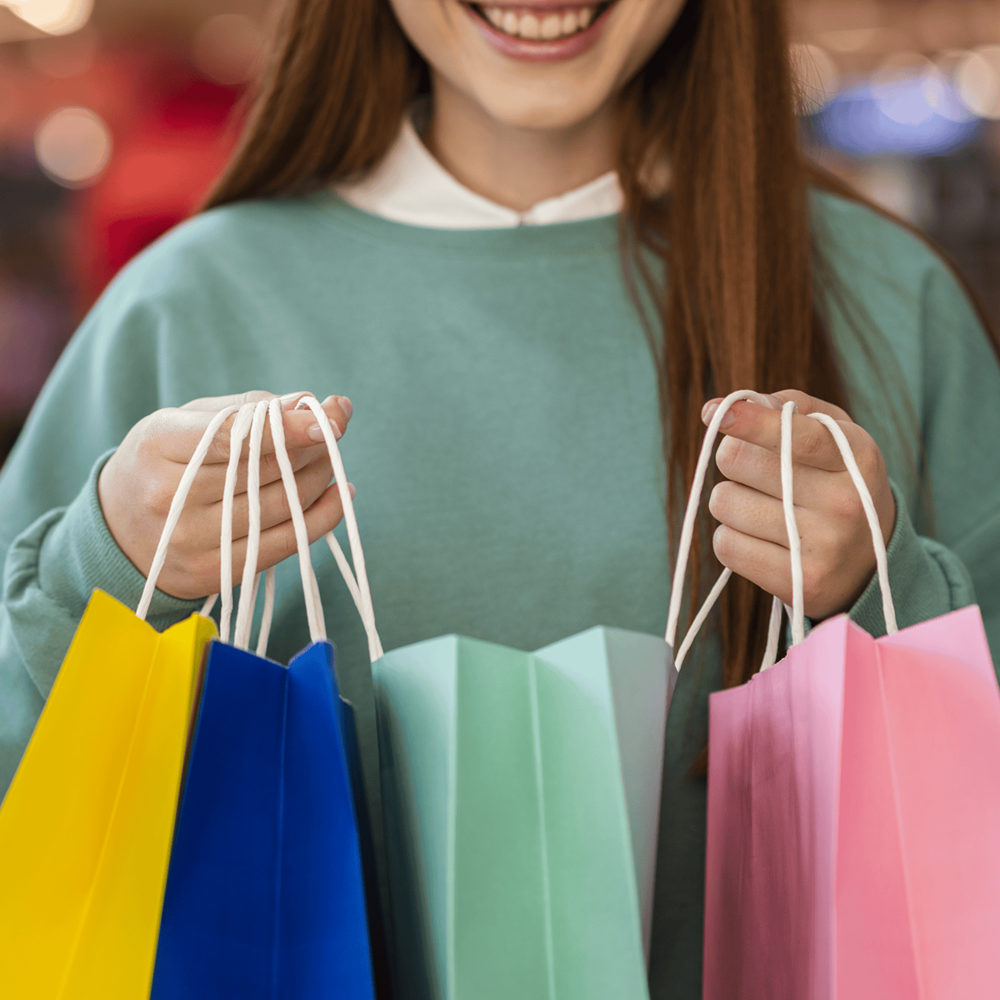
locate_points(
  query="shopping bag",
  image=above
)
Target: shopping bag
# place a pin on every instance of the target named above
(266, 895)
(521, 801)
(853, 804)
(521, 796)
(266, 892)
(86, 825)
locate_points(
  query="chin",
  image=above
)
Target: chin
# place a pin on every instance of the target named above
(554, 112)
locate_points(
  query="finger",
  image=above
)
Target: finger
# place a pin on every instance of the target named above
(312, 482)
(215, 403)
(175, 434)
(768, 565)
(758, 515)
(812, 444)
(810, 404)
(299, 424)
(179, 431)
(760, 469)
(804, 402)
(758, 560)
(201, 534)
(210, 483)
(278, 543)
(749, 512)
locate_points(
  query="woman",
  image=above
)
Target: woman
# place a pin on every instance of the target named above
(529, 285)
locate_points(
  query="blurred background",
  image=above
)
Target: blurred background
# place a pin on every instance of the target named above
(116, 116)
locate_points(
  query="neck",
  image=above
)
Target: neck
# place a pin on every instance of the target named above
(514, 166)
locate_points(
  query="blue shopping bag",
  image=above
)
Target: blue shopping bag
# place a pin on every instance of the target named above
(265, 895)
(266, 892)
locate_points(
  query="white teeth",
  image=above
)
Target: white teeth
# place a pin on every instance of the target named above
(529, 27)
(552, 26)
(548, 28)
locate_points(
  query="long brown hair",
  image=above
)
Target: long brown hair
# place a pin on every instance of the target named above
(716, 101)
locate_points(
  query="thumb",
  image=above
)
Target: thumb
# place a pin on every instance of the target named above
(808, 404)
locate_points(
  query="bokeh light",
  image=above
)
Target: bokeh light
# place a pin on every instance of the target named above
(227, 48)
(939, 91)
(855, 122)
(898, 88)
(57, 17)
(73, 146)
(977, 78)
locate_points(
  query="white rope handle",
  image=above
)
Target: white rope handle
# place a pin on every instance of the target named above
(687, 529)
(265, 622)
(359, 588)
(773, 633)
(177, 507)
(791, 523)
(346, 572)
(878, 543)
(251, 578)
(797, 611)
(310, 587)
(699, 619)
(240, 429)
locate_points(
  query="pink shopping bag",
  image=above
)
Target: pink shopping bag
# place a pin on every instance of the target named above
(854, 811)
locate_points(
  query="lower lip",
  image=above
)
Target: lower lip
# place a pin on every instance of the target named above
(556, 50)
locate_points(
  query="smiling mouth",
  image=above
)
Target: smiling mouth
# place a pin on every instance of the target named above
(546, 25)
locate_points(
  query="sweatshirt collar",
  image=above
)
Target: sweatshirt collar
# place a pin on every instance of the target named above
(410, 186)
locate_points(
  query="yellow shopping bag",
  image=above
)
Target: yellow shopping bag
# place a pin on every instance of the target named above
(86, 827)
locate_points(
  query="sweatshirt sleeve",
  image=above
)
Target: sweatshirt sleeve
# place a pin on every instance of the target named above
(55, 547)
(957, 561)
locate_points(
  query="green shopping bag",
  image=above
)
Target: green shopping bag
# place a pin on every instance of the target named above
(521, 799)
(521, 802)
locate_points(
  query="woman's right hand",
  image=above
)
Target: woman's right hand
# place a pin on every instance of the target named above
(138, 483)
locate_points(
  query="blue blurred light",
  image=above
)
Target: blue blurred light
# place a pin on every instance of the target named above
(899, 121)
(903, 102)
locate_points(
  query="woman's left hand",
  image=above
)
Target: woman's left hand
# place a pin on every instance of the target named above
(837, 555)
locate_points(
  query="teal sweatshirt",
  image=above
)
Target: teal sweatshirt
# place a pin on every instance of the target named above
(505, 447)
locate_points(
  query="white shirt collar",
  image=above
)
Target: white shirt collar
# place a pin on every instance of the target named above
(410, 186)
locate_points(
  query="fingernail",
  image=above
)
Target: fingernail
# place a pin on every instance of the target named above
(347, 406)
(354, 492)
(315, 433)
(709, 411)
(776, 403)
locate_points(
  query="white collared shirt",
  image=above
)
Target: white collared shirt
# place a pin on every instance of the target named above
(410, 186)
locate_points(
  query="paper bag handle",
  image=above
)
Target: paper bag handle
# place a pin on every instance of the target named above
(251, 579)
(687, 531)
(359, 588)
(237, 434)
(797, 611)
(256, 413)
(177, 507)
(248, 593)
